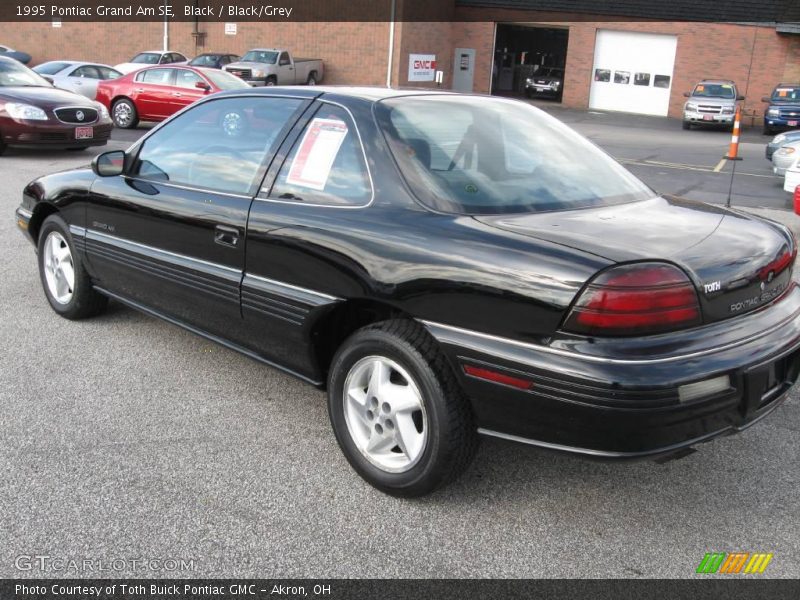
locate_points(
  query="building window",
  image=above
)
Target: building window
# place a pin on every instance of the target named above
(661, 81)
(641, 79)
(602, 75)
(623, 77)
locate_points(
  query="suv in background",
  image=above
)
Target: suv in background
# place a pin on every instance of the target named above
(712, 102)
(783, 111)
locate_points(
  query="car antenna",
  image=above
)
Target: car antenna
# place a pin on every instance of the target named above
(733, 149)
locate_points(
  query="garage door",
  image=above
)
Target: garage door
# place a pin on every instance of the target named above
(632, 72)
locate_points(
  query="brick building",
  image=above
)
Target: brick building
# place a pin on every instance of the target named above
(489, 46)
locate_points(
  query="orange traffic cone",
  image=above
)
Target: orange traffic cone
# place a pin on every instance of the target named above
(733, 150)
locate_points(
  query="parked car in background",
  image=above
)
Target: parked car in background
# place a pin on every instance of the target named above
(781, 139)
(155, 93)
(791, 178)
(442, 265)
(151, 57)
(548, 81)
(784, 156)
(274, 66)
(75, 76)
(213, 60)
(712, 102)
(34, 113)
(22, 57)
(783, 110)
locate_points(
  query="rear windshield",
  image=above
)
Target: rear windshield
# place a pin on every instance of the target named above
(146, 58)
(51, 68)
(477, 155)
(14, 74)
(550, 73)
(204, 60)
(262, 56)
(785, 93)
(714, 90)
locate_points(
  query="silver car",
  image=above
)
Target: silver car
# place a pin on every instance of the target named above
(75, 76)
(784, 156)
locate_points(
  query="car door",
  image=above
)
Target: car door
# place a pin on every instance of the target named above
(186, 91)
(169, 233)
(286, 74)
(152, 93)
(83, 80)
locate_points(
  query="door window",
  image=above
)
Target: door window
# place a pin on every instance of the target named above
(87, 72)
(108, 73)
(156, 76)
(326, 165)
(219, 145)
(187, 79)
(284, 60)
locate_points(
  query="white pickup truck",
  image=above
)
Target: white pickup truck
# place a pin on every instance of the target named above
(274, 66)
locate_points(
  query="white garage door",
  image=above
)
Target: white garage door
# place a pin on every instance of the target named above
(632, 72)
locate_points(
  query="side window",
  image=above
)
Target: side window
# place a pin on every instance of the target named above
(284, 59)
(107, 73)
(187, 79)
(86, 72)
(156, 76)
(219, 145)
(326, 164)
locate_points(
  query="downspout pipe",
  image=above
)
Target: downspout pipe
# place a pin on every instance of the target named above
(390, 57)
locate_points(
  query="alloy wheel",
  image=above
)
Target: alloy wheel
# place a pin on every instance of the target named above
(59, 270)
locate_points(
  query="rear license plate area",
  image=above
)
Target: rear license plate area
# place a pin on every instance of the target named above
(792, 123)
(708, 117)
(84, 133)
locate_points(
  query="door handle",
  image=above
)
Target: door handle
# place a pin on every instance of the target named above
(177, 94)
(226, 236)
(139, 90)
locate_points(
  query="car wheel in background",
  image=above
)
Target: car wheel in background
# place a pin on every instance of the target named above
(768, 130)
(77, 148)
(312, 78)
(124, 114)
(686, 125)
(2, 147)
(397, 411)
(66, 283)
(271, 80)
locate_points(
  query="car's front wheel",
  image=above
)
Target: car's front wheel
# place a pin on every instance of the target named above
(397, 411)
(124, 114)
(66, 283)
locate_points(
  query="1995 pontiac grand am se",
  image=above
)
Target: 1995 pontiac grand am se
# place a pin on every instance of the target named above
(444, 265)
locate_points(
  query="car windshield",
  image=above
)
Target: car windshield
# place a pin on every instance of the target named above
(786, 93)
(205, 60)
(714, 90)
(147, 58)
(261, 56)
(13, 74)
(50, 68)
(551, 73)
(472, 155)
(224, 80)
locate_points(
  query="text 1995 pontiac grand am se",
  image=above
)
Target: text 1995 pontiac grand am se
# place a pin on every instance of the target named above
(442, 265)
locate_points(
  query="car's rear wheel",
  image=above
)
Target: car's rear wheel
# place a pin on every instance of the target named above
(686, 125)
(312, 78)
(271, 80)
(66, 283)
(124, 114)
(397, 410)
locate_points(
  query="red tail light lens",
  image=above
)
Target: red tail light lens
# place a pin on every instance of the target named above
(638, 299)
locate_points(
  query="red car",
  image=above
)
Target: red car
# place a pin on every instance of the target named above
(156, 93)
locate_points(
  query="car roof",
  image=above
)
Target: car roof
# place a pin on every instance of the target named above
(788, 85)
(366, 92)
(730, 81)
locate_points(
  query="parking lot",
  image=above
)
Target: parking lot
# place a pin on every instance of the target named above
(125, 437)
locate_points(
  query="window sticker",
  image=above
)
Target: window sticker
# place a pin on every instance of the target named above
(314, 158)
(783, 93)
(700, 88)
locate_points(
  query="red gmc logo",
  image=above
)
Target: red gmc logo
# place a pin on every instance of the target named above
(425, 64)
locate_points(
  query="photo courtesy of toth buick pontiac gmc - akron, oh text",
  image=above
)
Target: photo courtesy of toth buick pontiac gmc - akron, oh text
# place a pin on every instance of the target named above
(439, 263)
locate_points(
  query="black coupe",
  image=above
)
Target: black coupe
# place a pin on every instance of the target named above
(444, 265)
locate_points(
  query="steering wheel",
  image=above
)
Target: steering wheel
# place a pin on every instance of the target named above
(196, 176)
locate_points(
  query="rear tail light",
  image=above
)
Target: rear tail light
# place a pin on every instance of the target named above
(637, 299)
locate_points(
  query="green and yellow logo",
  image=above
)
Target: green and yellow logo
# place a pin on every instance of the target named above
(734, 562)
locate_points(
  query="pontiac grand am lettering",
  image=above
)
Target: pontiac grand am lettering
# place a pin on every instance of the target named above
(441, 265)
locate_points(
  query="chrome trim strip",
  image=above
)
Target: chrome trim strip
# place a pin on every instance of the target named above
(366, 164)
(24, 212)
(601, 359)
(604, 453)
(104, 237)
(291, 287)
(79, 231)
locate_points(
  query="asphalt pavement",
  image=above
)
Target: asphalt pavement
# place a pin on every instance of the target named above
(124, 437)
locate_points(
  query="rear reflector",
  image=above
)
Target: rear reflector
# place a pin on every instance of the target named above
(708, 387)
(637, 299)
(496, 377)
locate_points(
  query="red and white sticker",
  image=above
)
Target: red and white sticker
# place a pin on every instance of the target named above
(318, 149)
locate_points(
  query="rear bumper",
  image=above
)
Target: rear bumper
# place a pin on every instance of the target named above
(619, 406)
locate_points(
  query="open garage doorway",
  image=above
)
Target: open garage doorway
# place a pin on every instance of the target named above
(529, 61)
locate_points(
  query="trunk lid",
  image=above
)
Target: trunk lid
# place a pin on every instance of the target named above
(737, 262)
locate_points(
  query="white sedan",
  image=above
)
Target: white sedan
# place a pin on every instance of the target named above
(792, 178)
(784, 156)
(75, 76)
(150, 58)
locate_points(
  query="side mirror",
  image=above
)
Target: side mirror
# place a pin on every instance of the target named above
(109, 164)
(686, 94)
(202, 85)
(740, 97)
(766, 99)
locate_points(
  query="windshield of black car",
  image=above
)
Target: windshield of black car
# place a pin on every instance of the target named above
(786, 94)
(476, 155)
(14, 74)
(204, 60)
(550, 73)
(714, 90)
(147, 58)
(260, 56)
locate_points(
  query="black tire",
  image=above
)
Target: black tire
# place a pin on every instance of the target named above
(130, 123)
(77, 148)
(312, 78)
(85, 301)
(768, 130)
(686, 125)
(451, 439)
(271, 80)
(2, 148)
(528, 93)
